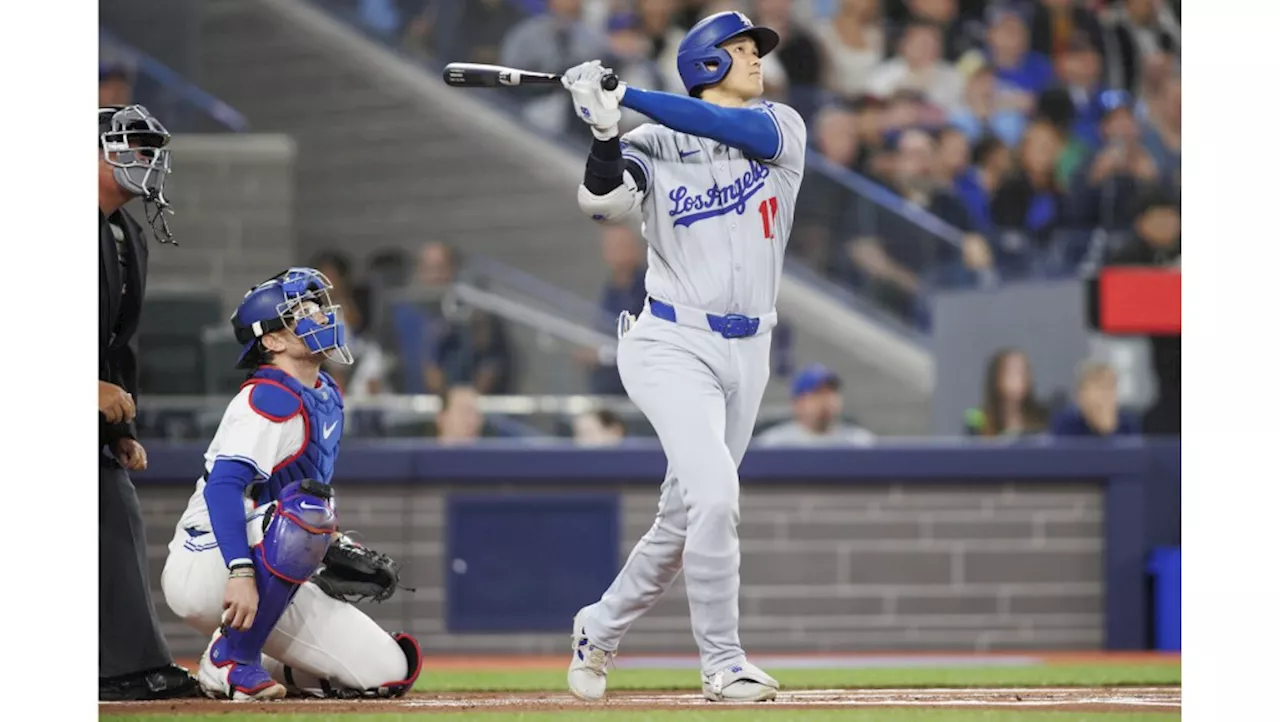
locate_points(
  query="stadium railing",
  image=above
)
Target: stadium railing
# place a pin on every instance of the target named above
(183, 106)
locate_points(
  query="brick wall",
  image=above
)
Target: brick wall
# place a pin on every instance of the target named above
(233, 197)
(872, 567)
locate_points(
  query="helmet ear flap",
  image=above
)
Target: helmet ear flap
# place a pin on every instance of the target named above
(717, 57)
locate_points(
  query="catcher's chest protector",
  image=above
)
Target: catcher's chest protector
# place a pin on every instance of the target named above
(278, 396)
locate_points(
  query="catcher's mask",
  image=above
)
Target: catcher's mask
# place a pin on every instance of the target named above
(297, 299)
(134, 144)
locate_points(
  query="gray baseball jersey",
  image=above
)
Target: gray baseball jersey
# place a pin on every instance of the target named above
(717, 224)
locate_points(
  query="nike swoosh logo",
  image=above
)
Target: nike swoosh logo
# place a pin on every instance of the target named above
(328, 430)
(686, 154)
(305, 505)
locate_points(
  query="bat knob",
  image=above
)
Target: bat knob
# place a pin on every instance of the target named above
(609, 82)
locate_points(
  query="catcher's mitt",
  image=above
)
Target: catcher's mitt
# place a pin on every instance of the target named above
(354, 573)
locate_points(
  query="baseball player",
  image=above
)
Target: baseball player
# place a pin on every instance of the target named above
(715, 184)
(245, 563)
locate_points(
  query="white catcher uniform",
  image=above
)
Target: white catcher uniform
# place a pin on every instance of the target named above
(717, 225)
(319, 637)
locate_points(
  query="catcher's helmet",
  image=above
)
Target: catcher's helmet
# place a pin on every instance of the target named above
(297, 299)
(701, 48)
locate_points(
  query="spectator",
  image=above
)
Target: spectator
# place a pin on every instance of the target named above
(460, 420)
(115, 85)
(364, 377)
(1096, 411)
(1132, 31)
(853, 43)
(381, 16)
(1029, 206)
(984, 111)
(623, 291)
(991, 161)
(1162, 136)
(1105, 193)
(336, 266)
(419, 321)
(467, 32)
(1156, 69)
(920, 67)
(795, 67)
(1009, 405)
(1021, 74)
(551, 43)
(823, 203)
(1157, 231)
(816, 405)
(695, 10)
(953, 156)
(1157, 241)
(629, 57)
(870, 123)
(890, 263)
(692, 11)
(957, 34)
(1079, 69)
(1057, 24)
(657, 24)
(598, 428)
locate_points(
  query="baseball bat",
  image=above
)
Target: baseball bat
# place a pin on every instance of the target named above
(479, 75)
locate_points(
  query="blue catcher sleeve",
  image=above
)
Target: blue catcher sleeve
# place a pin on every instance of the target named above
(751, 130)
(224, 496)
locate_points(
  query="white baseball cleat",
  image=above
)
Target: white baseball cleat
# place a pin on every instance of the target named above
(742, 682)
(589, 665)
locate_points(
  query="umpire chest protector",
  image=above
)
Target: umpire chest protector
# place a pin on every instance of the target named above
(277, 396)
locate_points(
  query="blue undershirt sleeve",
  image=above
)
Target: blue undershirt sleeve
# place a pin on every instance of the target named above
(224, 496)
(751, 130)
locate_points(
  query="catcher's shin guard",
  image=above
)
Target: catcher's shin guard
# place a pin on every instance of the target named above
(297, 530)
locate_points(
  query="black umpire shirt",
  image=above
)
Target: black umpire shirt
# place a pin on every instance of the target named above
(122, 274)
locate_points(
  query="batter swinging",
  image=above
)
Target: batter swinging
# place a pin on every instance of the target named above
(716, 186)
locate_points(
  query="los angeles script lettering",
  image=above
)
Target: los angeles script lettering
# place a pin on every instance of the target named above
(688, 208)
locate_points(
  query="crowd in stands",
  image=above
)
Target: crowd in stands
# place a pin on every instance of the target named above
(1032, 129)
(1046, 133)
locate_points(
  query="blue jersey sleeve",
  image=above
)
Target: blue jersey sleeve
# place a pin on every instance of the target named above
(224, 496)
(753, 132)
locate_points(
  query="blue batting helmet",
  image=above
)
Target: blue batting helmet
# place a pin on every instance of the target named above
(701, 48)
(297, 299)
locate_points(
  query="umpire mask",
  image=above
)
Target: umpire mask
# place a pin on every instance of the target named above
(135, 144)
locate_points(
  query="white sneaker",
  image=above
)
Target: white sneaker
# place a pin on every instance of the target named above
(589, 665)
(743, 682)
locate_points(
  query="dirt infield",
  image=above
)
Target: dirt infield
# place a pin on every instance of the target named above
(1128, 699)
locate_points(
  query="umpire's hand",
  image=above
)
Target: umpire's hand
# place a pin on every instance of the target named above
(114, 403)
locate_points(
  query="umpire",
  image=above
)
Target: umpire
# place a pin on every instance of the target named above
(133, 660)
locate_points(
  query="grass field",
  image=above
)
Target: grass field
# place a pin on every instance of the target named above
(1075, 675)
(1071, 691)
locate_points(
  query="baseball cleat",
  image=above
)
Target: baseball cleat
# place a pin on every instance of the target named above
(743, 682)
(223, 678)
(589, 665)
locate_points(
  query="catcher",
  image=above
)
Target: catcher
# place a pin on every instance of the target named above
(257, 560)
